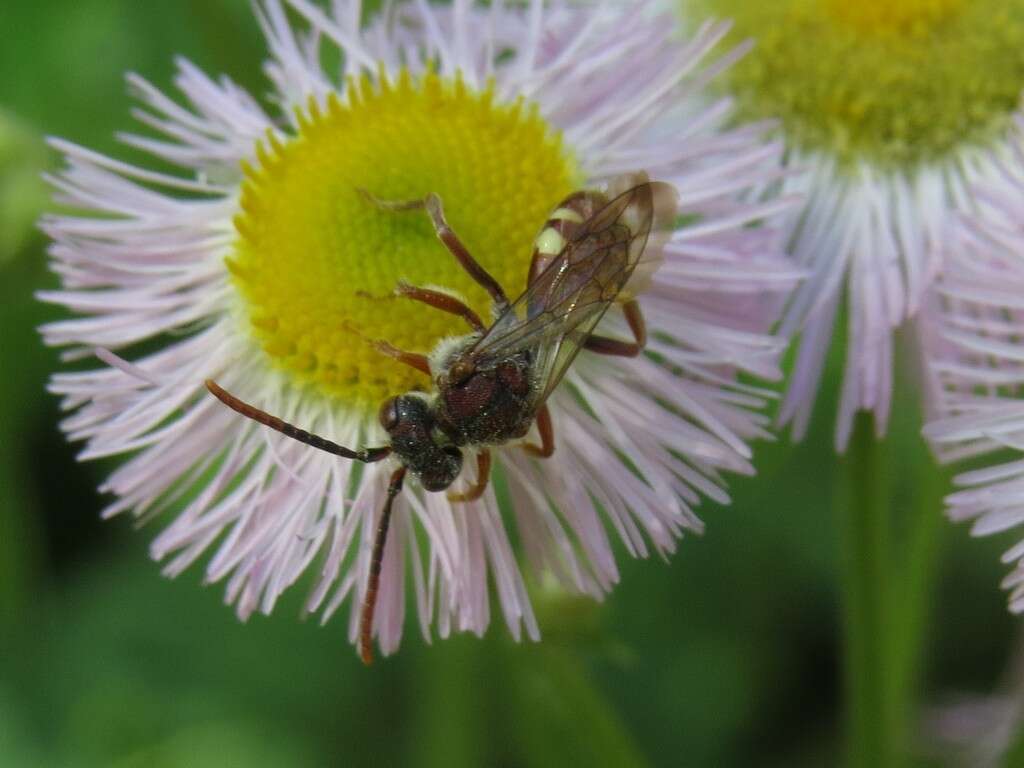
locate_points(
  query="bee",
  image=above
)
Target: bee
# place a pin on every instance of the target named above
(491, 385)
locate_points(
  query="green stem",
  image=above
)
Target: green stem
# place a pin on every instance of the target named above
(560, 716)
(871, 708)
(923, 536)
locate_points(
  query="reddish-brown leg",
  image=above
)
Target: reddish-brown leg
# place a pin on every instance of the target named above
(376, 560)
(547, 435)
(483, 477)
(605, 346)
(412, 359)
(443, 301)
(432, 204)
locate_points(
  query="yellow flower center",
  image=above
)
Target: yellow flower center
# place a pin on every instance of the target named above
(897, 17)
(895, 82)
(316, 262)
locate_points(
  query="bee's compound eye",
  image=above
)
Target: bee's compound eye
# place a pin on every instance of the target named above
(452, 451)
(388, 414)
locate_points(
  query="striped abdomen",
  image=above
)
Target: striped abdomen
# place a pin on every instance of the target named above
(561, 227)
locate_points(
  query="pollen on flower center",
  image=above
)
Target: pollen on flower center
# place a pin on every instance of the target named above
(895, 83)
(885, 17)
(316, 262)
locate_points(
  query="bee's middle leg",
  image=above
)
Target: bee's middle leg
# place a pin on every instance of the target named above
(605, 346)
(443, 301)
(412, 359)
(547, 435)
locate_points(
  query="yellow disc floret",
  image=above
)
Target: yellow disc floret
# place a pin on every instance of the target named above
(894, 82)
(316, 262)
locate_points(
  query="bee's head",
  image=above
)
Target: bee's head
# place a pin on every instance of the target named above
(409, 422)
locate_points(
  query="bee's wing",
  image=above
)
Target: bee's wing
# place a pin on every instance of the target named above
(557, 313)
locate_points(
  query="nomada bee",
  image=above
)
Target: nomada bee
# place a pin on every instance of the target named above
(492, 384)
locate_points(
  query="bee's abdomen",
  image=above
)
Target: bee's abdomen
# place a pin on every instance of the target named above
(557, 230)
(562, 226)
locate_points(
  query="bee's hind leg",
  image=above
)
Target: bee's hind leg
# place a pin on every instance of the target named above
(605, 346)
(435, 210)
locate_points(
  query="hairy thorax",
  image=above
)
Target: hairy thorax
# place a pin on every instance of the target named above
(484, 403)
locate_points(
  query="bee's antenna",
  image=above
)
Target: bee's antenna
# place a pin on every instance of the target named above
(376, 560)
(366, 454)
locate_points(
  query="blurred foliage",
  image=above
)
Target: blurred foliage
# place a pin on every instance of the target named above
(727, 655)
(22, 192)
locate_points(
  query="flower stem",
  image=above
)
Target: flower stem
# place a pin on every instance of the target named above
(872, 711)
(924, 528)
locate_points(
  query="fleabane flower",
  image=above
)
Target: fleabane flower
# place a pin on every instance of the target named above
(889, 112)
(262, 266)
(977, 353)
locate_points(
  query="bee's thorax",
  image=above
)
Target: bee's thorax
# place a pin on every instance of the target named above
(489, 406)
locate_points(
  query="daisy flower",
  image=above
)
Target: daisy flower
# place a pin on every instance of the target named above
(889, 112)
(261, 266)
(977, 319)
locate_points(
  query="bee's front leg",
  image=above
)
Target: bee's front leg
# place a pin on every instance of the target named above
(369, 607)
(483, 477)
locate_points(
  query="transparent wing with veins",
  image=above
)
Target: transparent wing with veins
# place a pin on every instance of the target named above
(558, 312)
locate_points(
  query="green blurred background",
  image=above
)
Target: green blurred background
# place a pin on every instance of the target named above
(730, 655)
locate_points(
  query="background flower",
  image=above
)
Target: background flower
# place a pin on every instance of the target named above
(977, 361)
(889, 113)
(893, 116)
(265, 314)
